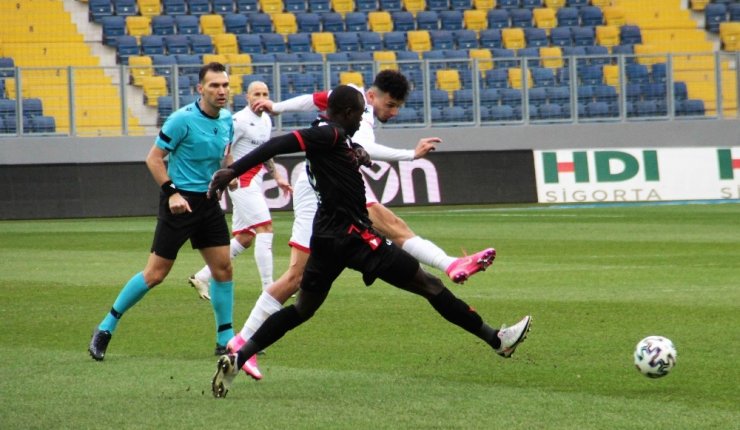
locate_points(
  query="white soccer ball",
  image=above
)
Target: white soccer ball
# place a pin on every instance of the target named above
(655, 356)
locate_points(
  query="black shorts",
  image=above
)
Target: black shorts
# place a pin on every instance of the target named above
(205, 226)
(363, 250)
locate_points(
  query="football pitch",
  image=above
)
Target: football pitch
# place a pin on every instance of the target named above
(596, 279)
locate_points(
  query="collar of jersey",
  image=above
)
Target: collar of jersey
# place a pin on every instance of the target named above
(197, 105)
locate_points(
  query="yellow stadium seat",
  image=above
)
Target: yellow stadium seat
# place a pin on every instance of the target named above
(601, 3)
(271, 6)
(484, 5)
(385, 60)
(545, 18)
(154, 86)
(513, 38)
(648, 54)
(614, 15)
(611, 75)
(225, 43)
(343, 7)
(729, 34)
(380, 21)
(215, 58)
(211, 24)
(149, 7)
(414, 6)
(138, 26)
(606, 35)
(448, 80)
(285, 23)
(555, 4)
(419, 41)
(140, 67)
(515, 78)
(552, 57)
(698, 5)
(239, 64)
(484, 59)
(475, 20)
(323, 43)
(351, 78)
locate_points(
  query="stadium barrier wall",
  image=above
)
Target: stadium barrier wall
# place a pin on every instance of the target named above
(87, 177)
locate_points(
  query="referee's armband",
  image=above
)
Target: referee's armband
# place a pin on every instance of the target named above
(169, 188)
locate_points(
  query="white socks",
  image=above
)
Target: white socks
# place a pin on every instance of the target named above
(235, 248)
(266, 305)
(263, 257)
(428, 253)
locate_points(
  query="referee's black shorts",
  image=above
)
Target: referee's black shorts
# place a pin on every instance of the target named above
(363, 250)
(205, 226)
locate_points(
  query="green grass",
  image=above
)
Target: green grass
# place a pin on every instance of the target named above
(596, 280)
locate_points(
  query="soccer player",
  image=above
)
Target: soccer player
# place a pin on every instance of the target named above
(343, 236)
(196, 138)
(251, 221)
(388, 92)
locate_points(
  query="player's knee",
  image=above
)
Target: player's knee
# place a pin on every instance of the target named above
(244, 239)
(428, 284)
(222, 271)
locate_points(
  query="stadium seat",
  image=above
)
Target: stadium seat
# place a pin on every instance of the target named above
(544, 18)
(438, 5)
(319, 6)
(149, 7)
(693, 107)
(513, 38)
(299, 42)
(351, 77)
(646, 108)
(189, 64)
(515, 77)
(714, 15)
(577, 3)
(409, 62)
(138, 26)
(99, 9)
(465, 39)
(605, 93)
(607, 36)
(7, 108)
(461, 4)
(113, 27)
(247, 6)
(177, 44)
(439, 98)
(380, 21)
(591, 16)
(126, 46)
(507, 4)
(347, 41)
(451, 20)
(504, 58)
(414, 6)
(403, 21)
(43, 124)
(558, 94)
(308, 22)
(552, 57)
(442, 39)
(427, 20)
(366, 5)
(323, 43)
(598, 55)
(583, 36)
(483, 56)
(235, 23)
(490, 38)
(543, 77)
(154, 87)
(356, 21)
(561, 36)
(199, 7)
(174, 7)
(273, 43)
(163, 65)
(201, 44)
(637, 73)
(536, 37)
(152, 45)
(597, 110)
(285, 23)
(187, 24)
(249, 43)
(32, 107)
(390, 5)
(395, 41)
(537, 96)
(259, 22)
(332, 22)
(591, 75)
(296, 6)
(521, 18)
(225, 43)
(370, 41)
(475, 20)
(385, 60)
(498, 18)
(658, 73)
(630, 34)
(419, 41)
(125, 7)
(163, 25)
(499, 113)
(549, 111)
(223, 7)
(568, 17)
(511, 97)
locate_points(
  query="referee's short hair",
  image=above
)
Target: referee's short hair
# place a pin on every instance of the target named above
(393, 83)
(210, 67)
(345, 97)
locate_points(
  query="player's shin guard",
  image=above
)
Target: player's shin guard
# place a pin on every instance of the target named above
(222, 300)
(131, 293)
(275, 327)
(457, 312)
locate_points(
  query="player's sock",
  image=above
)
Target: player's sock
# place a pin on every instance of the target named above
(235, 248)
(222, 300)
(428, 253)
(460, 313)
(273, 329)
(263, 257)
(131, 293)
(266, 305)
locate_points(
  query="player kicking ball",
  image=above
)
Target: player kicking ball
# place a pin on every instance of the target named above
(343, 237)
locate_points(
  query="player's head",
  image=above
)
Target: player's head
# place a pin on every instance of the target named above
(213, 87)
(387, 94)
(257, 90)
(346, 106)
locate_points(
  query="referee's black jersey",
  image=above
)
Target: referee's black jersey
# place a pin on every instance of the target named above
(334, 174)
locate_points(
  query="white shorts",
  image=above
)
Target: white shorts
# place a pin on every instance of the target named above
(250, 208)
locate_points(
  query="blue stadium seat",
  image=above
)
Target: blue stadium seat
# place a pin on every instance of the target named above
(296, 6)
(263, 64)
(511, 97)
(189, 65)
(235, 23)
(714, 15)
(201, 44)
(174, 7)
(561, 36)
(497, 78)
(543, 77)
(347, 41)
(32, 107)
(536, 37)
(370, 41)
(531, 53)
(455, 114)
(690, 108)
(559, 95)
(598, 110)
(633, 92)
(537, 96)
(273, 43)
(152, 45)
(680, 92)
(576, 3)
(435, 61)
(658, 73)
(591, 75)
(187, 24)
(223, 7)
(390, 5)
(113, 27)
(366, 5)
(259, 22)
(308, 22)
(288, 62)
(177, 44)
(637, 73)
(442, 39)
(248, 79)
(250, 43)
(406, 115)
(7, 108)
(125, 7)
(126, 46)
(163, 64)
(247, 6)
(332, 22)
(490, 38)
(507, 4)
(463, 98)
(549, 111)
(319, 6)
(415, 99)
(655, 91)
(410, 64)
(583, 36)
(521, 18)
(646, 108)
(630, 35)
(395, 41)
(627, 50)
(531, 4)
(503, 57)
(439, 98)
(403, 21)
(299, 42)
(43, 124)
(355, 21)
(465, 39)
(600, 55)
(568, 17)
(498, 18)
(304, 83)
(163, 25)
(489, 97)
(427, 20)
(585, 93)
(338, 62)
(312, 62)
(461, 4)
(562, 76)
(199, 7)
(605, 93)
(99, 9)
(591, 15)
(733, 10)
(499, 113)
(438, 5)
(451, 20)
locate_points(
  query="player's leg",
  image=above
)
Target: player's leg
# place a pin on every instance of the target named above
(396, 229)
(200, 280)
(263, 253)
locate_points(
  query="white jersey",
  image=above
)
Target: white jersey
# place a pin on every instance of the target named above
(250, 207)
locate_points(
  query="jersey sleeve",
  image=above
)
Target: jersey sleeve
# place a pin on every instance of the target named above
(304, 103)
(318, 138)
(173, 131)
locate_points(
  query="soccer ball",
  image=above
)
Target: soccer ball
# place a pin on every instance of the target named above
(655, 356)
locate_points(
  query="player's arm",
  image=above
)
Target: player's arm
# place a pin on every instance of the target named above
(158, 169)
(303, 103)
(281, 182)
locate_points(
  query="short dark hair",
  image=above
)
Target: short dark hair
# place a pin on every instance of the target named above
(343, 97)
(393, 83)
(210, 67)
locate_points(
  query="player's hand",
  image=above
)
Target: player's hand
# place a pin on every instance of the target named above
(234, 184)
(219, 181)
(284, 185)
(263, 105)
(362, 158)
(425, 146)
(178, 204)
